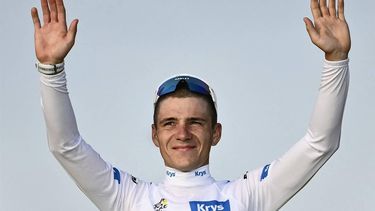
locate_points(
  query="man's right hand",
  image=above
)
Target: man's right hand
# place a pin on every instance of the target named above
(53, 40)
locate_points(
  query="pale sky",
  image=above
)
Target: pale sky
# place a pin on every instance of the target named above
(255, 54)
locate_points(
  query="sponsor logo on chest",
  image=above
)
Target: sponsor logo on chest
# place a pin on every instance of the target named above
(210, 205)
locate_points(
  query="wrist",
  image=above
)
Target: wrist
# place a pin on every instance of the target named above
(336, 56)
(47, 59)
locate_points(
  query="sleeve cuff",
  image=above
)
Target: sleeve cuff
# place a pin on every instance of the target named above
(339, 63)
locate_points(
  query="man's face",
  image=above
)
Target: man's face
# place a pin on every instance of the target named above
(184, 132)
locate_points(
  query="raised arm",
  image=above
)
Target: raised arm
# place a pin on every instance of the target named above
(95, 177)
(53, 41)
(276, 183)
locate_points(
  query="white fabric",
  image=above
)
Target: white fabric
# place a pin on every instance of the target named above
(266, 188)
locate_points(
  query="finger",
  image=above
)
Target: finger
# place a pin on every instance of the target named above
(72, 30)
(341, 10)
(314, 35)
(332, 8)
(323, 7)
(61, 13)
(315, 9)
(53, 9)
(35, 17)
(46, 13)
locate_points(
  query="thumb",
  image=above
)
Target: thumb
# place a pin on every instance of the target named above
(311, 29)
(72, 31)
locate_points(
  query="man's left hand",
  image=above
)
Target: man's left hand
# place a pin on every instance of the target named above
(329, 32)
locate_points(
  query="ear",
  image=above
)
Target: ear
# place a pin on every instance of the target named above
(155, 138)
(217, 134)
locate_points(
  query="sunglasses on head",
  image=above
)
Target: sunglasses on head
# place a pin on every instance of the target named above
(194, 84)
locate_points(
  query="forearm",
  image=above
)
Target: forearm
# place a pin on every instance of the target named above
(326, 121)
(58, 112)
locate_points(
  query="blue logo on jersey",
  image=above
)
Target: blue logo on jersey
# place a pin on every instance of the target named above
(116, 175)
(264, 172)
(170, 174)
(210, 205)
(200, 173)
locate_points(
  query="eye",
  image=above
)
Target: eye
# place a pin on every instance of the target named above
(169, 123)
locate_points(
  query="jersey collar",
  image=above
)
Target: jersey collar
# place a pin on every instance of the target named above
(197, 177)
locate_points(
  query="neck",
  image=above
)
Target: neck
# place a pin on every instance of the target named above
(197, 177)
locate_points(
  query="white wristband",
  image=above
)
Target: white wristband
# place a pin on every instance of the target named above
(49, 69)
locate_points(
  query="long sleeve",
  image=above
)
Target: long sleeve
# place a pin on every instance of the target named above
(272, 186)
(95, 177)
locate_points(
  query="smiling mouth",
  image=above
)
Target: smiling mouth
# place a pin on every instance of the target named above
(183, 148)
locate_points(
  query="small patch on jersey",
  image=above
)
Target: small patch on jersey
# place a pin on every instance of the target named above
(200, 173)
(134, 179)
(170, 173)
(116, 175)
(161, 205)
(245, 175)
(264, 172)
(210, 205)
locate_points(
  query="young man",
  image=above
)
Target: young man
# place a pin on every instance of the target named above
(185, 128)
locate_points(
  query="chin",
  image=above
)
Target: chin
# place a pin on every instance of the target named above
(187, 166)
(184, 168)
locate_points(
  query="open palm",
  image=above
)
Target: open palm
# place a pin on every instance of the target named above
(53, 40)
(329, 32)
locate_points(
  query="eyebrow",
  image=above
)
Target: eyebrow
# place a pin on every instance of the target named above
(188, 119)
(197, 119)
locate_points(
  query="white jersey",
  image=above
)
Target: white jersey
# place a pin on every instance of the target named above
(266, 188)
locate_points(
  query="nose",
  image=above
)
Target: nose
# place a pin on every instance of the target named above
(183, 132)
